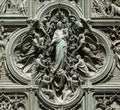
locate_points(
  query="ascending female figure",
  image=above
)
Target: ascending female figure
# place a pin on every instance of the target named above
(59, 38)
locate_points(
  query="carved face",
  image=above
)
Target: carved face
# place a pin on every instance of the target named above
(59, 25)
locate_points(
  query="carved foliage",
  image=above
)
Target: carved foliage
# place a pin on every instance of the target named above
(107, 102)
(115, 39)
(3, 37)
(12, 102)
(105, 8)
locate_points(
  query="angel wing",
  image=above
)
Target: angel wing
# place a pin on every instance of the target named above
(88, 30)
(38, 28)
(35, 25)
(85, 25)
(90, 63)
(28, 61)
(93, 40)
(29, 34)
(24, 42)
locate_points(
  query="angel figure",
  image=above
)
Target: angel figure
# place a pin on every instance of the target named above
(80, 41)
(86, 41)
(81, 65)
(76, 26)
(61, 86)
(98, 59)
(45, 86)
(30, 46)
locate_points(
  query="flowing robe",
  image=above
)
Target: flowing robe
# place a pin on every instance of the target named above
(61, 47)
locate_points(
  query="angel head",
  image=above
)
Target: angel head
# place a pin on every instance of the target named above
(59, 25)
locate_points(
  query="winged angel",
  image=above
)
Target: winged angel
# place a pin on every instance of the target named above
(59, 50)
(54, 44)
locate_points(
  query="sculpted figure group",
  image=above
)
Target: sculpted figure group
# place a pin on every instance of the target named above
(59, 51)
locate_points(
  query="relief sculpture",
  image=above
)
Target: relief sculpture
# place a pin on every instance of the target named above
(58, 59)
(62, 44)
(13, 7)
(2, 46)
(10, 103)
(107, 102)
(115, 39)
(105, 8)
(58, 51)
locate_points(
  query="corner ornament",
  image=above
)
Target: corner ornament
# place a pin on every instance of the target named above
(115, 43)
(58, 51)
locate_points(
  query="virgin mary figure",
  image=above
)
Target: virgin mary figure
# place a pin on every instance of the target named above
(59, 38)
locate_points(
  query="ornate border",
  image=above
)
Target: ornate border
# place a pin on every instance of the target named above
(110, 60)
(43, 10)
(71, 104)
(109, 57)
(23, 78)
(9, 57)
